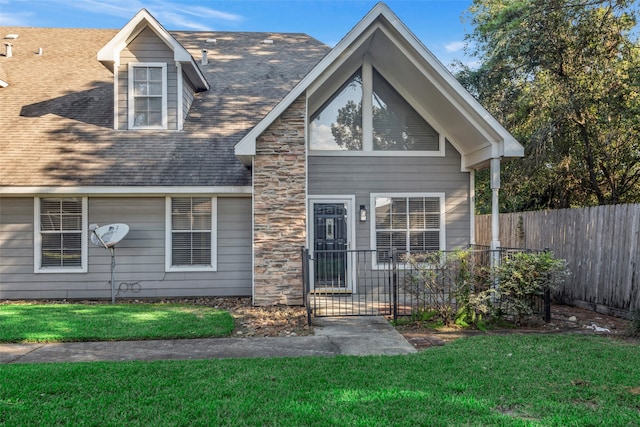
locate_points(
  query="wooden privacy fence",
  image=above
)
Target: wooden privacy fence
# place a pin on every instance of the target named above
(601, 245)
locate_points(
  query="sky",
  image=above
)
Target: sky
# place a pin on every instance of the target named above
(437, 23)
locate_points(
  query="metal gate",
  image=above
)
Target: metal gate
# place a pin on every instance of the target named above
(359, 289)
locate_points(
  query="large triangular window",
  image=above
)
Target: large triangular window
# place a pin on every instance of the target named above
(396, 124)
(337, 125)
(367, 114)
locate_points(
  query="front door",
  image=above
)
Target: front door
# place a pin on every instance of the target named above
(330, 245)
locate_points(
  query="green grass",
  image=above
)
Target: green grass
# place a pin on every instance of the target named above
(516, 380)
(107, 322)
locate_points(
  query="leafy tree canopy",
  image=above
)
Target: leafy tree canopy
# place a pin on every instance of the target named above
(563, 76)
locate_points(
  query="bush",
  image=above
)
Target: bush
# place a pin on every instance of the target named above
(455, 289)
(523, 277)
(449, 286)
(633, 330)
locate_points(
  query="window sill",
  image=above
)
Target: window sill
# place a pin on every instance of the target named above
(345, 153)
(191, 269)
(58, 270)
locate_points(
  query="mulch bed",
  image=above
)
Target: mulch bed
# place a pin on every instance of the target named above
(564, 319)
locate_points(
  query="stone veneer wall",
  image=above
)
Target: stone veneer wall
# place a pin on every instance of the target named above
(279, 204)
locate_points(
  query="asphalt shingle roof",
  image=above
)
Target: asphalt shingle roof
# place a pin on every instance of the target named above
(56, 115)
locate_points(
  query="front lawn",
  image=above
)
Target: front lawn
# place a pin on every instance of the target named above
(515, 380)
(107, 322)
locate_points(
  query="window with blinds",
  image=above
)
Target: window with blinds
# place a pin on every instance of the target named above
(396, 125)
(191, 231)
(60, 232)
(406, 224)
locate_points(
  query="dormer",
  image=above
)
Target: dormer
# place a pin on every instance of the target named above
(155, 78)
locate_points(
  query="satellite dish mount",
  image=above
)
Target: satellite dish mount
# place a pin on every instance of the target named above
(107, 236)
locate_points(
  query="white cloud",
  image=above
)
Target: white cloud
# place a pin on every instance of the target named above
(176, 21)
(173, 15)
(21, 19)
(456, 46)
(321, 137)
(206, 12)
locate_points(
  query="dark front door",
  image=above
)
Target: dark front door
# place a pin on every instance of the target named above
(330, 244)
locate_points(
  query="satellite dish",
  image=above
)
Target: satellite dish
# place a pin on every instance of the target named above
(108, 235)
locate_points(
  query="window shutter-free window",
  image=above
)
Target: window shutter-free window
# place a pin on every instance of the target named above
(396, 125)
(60, 232)
(147, 96)
(406, 224)
(191, 231)
(337, 125)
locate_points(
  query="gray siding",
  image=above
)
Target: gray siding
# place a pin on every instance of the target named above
(147, 47)
(187, 96)
(140, 256)
(361, 176)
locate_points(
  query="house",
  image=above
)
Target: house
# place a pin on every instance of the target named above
(226, 153)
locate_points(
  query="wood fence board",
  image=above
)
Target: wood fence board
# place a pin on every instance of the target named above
(601, 245)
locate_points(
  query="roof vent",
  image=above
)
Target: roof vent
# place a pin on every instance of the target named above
(205, 60)
(40, 51)
(11, 36)
(9, 51)
(267, 41)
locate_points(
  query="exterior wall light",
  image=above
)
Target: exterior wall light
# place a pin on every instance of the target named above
(363, 213)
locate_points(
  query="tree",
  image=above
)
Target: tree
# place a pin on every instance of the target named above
(564, 77)
(347, 129)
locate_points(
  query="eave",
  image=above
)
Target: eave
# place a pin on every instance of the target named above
(109, 55)
(474, 132)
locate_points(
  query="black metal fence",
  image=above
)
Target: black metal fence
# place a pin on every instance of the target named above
(346, 283)
(358, 283)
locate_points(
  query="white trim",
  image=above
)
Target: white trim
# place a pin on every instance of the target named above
(116, 108)
(180, 97)
(472, 207)
(169, 268)
(238, 190)
(37, 242)
(360, 153)
(131, 97)
(367, 105)
(253, 235)
(350, 203)
(372, 218)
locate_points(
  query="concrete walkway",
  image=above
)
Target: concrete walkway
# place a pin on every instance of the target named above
(358, 336)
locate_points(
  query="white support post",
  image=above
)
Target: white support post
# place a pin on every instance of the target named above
(495, 215)
(495, 203)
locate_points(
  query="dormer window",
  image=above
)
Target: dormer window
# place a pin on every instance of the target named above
(147, 104)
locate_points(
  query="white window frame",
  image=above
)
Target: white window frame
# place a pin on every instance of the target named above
(169, 267)
(367, 124)
(131, 97)
(372, 204)
(37, 238)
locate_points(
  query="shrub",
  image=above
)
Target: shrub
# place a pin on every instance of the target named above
(523, 277)
(633, 330)
(449, 286)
